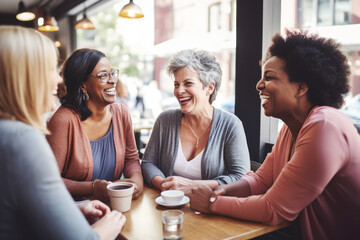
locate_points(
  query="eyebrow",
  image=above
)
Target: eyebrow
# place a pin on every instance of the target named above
(270, 71)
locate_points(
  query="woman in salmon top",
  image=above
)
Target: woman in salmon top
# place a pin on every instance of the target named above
(91, 135)
(313, 170)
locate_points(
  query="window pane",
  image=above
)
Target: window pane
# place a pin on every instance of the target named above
(342, 12)
(324, 13)
(305, 13)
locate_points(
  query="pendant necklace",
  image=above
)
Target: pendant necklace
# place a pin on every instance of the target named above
(197, 137)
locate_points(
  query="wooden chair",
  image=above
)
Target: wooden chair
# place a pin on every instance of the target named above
(254, 166)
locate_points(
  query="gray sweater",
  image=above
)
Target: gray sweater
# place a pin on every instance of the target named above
(225, 158)
(34, 202)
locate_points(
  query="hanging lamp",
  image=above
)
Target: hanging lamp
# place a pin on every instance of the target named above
(49, 25)
(22, 14)
(131, 10)
(84, 23)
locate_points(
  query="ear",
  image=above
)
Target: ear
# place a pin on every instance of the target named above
(211, 88)
(302, 89)
(83, 88)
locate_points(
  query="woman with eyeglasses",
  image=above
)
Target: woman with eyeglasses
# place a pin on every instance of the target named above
(91, 135)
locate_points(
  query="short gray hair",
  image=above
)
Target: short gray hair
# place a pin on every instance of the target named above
(200, 62)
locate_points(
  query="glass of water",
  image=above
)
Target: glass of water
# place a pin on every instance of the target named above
(172, 221)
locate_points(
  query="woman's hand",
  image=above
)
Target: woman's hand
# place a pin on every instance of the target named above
(109, 226)
(219, 191)
(94, 210)
(100, 190)
(137, 180)
(178, 183)
(200, 199)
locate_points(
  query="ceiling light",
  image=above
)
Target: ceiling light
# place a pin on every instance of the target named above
(84, 23)
(50, 25)
(22, 14)
(131, 10)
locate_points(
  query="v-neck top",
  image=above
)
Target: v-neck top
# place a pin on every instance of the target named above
(189, 169)
(104, 156)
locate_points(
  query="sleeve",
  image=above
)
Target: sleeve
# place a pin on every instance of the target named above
(59, 140)
(236, 154)
(151, 159)
(262, 180)
(132, 163)
(41, 195)
(320, 152)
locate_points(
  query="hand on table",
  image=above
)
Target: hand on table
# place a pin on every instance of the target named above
(110, 225)
(100, 190)
(94, 210)
(177, 183)
(200, 199)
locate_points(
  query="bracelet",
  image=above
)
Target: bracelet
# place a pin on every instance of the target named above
(93, 185)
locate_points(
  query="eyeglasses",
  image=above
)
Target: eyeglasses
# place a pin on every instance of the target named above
(105, 76)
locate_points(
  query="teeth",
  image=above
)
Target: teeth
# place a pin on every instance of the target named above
(264, 97)
(184, 99)
(110, 90)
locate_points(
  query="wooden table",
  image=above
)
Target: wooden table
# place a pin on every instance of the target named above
(144, 222)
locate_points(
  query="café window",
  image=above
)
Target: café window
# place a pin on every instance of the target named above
(233, 16)
(214, 17)
(342, 12)
(324, 13)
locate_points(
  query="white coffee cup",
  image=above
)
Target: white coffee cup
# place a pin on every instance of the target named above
(172, 196)
(120, 194)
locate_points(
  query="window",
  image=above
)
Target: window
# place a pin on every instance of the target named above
(214, 17)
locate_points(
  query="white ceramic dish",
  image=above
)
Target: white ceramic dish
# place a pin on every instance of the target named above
(159, 200)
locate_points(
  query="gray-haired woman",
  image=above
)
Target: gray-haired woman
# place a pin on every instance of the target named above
(196, 144)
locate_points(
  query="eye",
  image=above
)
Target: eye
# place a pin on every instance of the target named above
(176, 85)
(188, 83)
(103, 76)
(268, 78)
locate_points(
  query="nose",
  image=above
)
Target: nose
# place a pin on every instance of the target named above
(260, 85)
(180, 89)
(58, 79)
(112, 79)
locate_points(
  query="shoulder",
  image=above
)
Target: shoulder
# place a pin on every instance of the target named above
(19, 138)
(170, 115)
(226, 118)
(63, 114)
(327, 117)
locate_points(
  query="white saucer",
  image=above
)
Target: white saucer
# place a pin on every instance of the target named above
(159, 200)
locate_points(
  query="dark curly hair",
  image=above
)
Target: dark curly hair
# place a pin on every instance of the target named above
(316, 61)
(75, 71)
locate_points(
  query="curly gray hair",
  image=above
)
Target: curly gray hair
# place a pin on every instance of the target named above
(201, 62)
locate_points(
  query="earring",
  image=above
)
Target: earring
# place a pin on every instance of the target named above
(85, 96)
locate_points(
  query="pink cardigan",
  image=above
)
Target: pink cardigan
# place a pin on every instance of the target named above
(320, 184)
(72, 147)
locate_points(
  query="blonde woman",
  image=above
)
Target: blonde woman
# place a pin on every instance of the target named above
(34, 202)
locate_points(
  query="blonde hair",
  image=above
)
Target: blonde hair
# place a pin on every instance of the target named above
(27, 59)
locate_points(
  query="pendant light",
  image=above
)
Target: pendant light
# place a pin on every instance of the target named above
(49, 25)
(84, 23)
(22, 14)
(131, 10)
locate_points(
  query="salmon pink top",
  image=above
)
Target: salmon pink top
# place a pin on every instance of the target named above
(320, 184)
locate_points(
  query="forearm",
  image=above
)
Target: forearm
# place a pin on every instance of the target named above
(157, 181)
(210, 183)
(137, 178)
(77, 188)
(240, 188)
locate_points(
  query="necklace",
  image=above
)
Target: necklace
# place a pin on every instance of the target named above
(197, 137)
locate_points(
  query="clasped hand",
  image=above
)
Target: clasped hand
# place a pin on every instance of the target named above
(202, 196)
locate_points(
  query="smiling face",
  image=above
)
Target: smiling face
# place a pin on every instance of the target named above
(100, 93)
(278, 94)
(189, 91)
